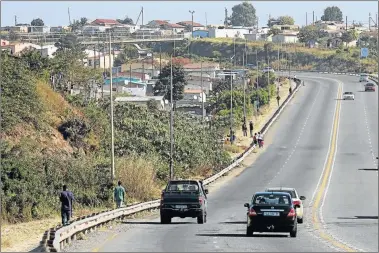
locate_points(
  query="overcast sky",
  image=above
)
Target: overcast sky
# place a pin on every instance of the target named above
(55, 13)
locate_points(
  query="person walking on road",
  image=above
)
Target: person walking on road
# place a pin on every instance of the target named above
(119, 195)
(251, 128)
(244, 129)
(278, 99)
(255, 139)
(66, 197)
(290, 90)
(260, 139)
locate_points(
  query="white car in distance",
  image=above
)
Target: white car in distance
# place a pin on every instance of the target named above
(296, 199)
(348, 95)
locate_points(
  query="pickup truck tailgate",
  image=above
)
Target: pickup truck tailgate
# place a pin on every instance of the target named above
(181, 197)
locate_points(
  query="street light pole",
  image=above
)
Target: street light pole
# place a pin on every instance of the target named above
(202, 90)
(171, 126)
(111, 95)
(192, 12)
(231, 104)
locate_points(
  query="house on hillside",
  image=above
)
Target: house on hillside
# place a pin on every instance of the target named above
(17, 48)
(48, 50)
(188, 25)
(194, 83)
(285, 37)
(93, 29)
(105, 22)
(38, 29)
(207, 68)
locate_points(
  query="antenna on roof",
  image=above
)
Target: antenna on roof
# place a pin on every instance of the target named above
(69, 16)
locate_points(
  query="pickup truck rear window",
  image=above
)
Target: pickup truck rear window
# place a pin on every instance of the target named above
(183, 186)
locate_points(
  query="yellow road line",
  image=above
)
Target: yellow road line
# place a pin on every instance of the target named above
(108, 239)
(325, 178)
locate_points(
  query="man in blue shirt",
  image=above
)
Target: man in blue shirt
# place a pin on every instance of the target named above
(66, 199)
(119, 195)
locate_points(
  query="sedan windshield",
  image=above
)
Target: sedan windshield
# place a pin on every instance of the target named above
(271, 199)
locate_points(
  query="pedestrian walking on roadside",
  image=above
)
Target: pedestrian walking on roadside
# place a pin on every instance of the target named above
(290, 90)
(278, 99)
(260, 139)
(244, 129)
(255, 139)
(251, 128)
(119, 195)
(66, 197)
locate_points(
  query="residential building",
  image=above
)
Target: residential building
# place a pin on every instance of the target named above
(286, 27)
(38, 29)
(93, 29)
(4, 42)
(105, 22)
(142, 100)
(194, 83)
(194, 95)
(48, 50)
(207, 68)
(156, 23)
(101, 60)
(17, 29)
(188, 25)
(288, 37)
(200, 34)
(60, 29)
(145, 68)
(330, 25)
(125, 28)
(228, 32)
(165, 25)
(17, 48)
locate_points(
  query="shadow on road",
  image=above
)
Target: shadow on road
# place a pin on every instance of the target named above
(241, 235)
(369, 169)
(233, 222)
(155, 223)
(359, 217)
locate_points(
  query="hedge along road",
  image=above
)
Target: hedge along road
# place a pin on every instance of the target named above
(296, 158)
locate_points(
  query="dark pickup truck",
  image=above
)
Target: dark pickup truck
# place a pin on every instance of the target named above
(184, 198)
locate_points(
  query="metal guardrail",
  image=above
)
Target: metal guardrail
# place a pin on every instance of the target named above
(58, 237)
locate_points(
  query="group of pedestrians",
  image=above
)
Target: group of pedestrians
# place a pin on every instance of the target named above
(258, 139)
(67, 198)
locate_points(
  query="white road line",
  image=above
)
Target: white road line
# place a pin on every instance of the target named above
(298, 139)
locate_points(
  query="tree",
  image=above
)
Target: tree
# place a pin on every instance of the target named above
(349, 36)
(34, 59)
(126, 21)
(286, 20)
(162, 87)
(244, 15)
(332, 13)
(70, 42)
(308, 33)
(83, 21)
(37, 22)
(274, 31)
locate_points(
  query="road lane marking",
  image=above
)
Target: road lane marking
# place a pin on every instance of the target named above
(369, 139)
(298, 139)
(108, 239)
(321, 189)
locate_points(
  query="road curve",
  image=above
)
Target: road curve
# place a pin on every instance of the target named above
(296, 158)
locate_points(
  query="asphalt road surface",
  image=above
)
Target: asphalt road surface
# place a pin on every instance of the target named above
(301, 155)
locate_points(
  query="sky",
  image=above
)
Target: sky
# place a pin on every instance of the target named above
(55, 13)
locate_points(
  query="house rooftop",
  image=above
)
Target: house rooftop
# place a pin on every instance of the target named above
(100, 21)
(192, 91)
(189, 23)
(198, 65)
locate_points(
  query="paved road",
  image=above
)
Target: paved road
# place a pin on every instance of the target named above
(296, 159)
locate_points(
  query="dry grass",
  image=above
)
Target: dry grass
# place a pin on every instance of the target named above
(138, 169)
(259, 120)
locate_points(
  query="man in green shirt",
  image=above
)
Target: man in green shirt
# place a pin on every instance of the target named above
(119, 195)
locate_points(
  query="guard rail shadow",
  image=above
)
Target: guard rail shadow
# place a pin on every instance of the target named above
(56, 238)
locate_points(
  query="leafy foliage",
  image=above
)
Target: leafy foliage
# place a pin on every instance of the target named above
(308, 33)
(37, 22)
(332, 13)
(243, 14)
(286, 20)
(162, 87)
(126, 21)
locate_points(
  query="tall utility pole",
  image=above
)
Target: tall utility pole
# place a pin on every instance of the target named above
(369, 21)
(202, 90)
(160, 58)
(231, 104)
(94, 56)
(256, 60)
(171, 127)
(111, 95)
(244, 99)
(306, 18)
(192, 12)
(279, 63)
(15, 20)
(313, 23)
(206, 20)
(268, 72)
(152, 65)
(234, 52)
(69, 16)
(346, 23)
(143, 31)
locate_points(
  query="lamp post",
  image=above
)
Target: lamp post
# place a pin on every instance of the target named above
(111, 96)
(231, 103)
(171, 127)
(192, 12)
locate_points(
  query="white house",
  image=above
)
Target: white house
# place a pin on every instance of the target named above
(209, 69)
(228, 33)
(285, 38)
(48, 50)
(194, 95)
(93, 29)
(100, 59)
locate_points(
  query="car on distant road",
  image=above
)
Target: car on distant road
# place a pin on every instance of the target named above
(271, 212)
(369, 87)
(363, 78)
(268, 69)
(184, 198)
(296, 199)
(348, 95)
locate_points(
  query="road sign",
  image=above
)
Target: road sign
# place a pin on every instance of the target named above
(364, 52)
